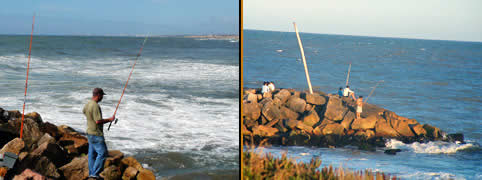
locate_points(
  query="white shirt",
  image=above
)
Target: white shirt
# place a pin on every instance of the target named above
(271, 87)
(346, 91)
(265, 89)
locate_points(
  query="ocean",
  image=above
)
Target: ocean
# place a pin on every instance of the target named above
(179, 114)
(433, 81)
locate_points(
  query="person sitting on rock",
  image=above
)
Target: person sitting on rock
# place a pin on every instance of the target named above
(95, 135)
(347, 92)
(340, 92)
(271, 86)
(265, 88)
(359, 107)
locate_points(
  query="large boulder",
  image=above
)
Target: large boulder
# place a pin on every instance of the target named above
(311, 118)
(53, 152)
(402, 127)
(368, 134)
(130, 173)
(251, 111)
(145, 174)
(45, 167)
(131, 162)
(315, 99)
(114, 157)
(419, 130)
(432, 131)
(348, 119)
(14, 146)
(304, 127)
(271, 111)
(290, 123)
(364, 123)
(264, 131)
(251, 97)
(51, 129)
(335, 109)
(287, 113)
(35, 116)
(384, 129)
(296, 104)
(111, 172)
(46, 138)
(29, 174)
(283, 95)
(77, 169)
(75, 140)
(335, 129)
(31, 131)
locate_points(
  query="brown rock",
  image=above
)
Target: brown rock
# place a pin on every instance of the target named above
(80, 142)
(270, 111)
(304, 127)
(131, 162)
(364, 123)
(290, 123)
(130, 173)
(35, 116)
(14, 114)
(46, 168)
(384, 129)
(145, 174)
(335, 109)
(318, 130)
(264, 131)
(245, 130)
(77, 169)
(366, 133)
(419, 130)
(259, 97)
(311, 118)
(22, 156)
(265, 101)
(402, 127)
(46, 138)
(267, 95)
(350, 132)
(296, 104)
(251, 97)
(309, 107)
(296, 94)
(348, 119)
(64, 129)
(113, 158)
(251, 111)
(283, 95)
(432, 131)
(28, 174)
(111, 173)
(31, 132)
(50, 129)
(252, 91)
(53, 152)
(287, 113)
(335, 128)
(14, 146)
(272, 123)
(315, 99)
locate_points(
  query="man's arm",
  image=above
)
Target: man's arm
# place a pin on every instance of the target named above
(103, 121)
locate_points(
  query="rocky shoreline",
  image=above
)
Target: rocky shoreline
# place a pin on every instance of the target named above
(47, 151)
(293, 118)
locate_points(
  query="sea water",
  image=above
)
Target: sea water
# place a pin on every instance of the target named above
(179, 113)
(434, 82)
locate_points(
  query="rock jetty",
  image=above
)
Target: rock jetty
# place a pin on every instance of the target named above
(47, 151)
(294, 118)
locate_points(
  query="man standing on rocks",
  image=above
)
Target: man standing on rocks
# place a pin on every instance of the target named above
(95, 135)
(359, 107)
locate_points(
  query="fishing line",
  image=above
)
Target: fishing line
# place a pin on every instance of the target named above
(26, 80)
(132, 70)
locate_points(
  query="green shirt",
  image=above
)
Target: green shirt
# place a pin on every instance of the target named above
(93, 113)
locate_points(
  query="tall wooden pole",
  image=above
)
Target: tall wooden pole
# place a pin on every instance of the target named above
(348, 76)
(304, 60)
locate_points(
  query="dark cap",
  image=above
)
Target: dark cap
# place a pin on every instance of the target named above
(98, 91)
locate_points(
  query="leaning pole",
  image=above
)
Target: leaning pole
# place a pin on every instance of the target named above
(304, 60)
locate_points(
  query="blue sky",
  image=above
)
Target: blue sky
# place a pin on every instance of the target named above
(424, 19)
(101, 17)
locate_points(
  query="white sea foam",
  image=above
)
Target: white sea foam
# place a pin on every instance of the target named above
(430, 175)
(432, 147)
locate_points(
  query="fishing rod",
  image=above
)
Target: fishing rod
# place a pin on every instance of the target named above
(26, 80)
(348, 76)
(373, 90)
(135, 62)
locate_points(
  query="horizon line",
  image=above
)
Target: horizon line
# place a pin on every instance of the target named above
(392, 37)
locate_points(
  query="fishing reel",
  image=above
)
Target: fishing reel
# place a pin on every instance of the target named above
(115, 122)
